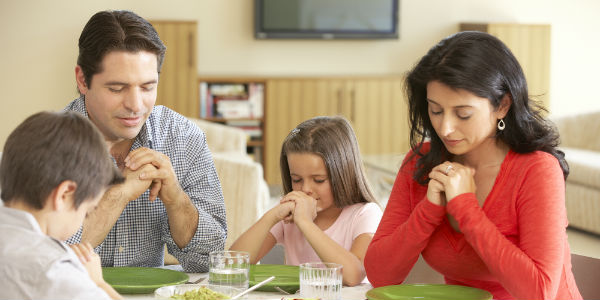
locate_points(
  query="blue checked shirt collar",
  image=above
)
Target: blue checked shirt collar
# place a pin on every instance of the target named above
(143, 139)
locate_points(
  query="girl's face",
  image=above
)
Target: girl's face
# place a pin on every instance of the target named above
(462, 120)
(309, 175)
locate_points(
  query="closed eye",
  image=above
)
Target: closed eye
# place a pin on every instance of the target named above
(114, 90)
(148, 88)
(464, 113)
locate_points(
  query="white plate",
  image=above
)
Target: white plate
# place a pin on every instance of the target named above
(166, 292)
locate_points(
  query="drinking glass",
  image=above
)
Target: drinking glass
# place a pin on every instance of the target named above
(229, 268)
(321, 280)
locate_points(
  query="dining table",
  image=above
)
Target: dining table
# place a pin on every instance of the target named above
(356, 292)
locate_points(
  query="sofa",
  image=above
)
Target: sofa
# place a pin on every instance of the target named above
(245, 191)
(580, 140)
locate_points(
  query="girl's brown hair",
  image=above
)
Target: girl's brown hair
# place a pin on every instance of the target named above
(334, 140)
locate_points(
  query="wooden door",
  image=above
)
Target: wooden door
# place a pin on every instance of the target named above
(379, 115)
(177, 87)
(290, 102)
(531, 46)
(530, 43)
(374, 106)
(277, 124)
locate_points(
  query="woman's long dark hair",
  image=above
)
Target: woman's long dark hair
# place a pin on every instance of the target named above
(481, 64)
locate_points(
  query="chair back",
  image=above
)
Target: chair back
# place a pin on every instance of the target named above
(586, 271)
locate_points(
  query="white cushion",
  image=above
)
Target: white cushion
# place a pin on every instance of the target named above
(584, 166)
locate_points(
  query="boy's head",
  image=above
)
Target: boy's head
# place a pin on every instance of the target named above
(55, 162)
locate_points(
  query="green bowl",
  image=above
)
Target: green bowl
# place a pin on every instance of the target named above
(287, 277)
(427, 292)
(140, 280)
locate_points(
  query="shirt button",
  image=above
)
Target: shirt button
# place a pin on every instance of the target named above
(121, 249)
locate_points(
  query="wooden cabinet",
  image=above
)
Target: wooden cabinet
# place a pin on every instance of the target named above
(375, 107)
(177, 85)
(530, 43)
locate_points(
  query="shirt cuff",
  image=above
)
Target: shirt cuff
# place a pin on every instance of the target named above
(461, 204)
(432, 211)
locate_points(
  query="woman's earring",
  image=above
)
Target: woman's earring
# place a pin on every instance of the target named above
(501, 125)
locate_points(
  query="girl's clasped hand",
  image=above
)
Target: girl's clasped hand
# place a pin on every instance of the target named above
(302, 207)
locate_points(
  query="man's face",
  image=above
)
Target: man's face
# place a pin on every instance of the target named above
(120, 98)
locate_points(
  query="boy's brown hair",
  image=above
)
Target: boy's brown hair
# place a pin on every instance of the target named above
(49, 148)
(334, 140)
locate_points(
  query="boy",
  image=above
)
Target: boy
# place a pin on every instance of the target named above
(54, 170)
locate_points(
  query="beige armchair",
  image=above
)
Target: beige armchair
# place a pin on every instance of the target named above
(245, 191)
(580, 142)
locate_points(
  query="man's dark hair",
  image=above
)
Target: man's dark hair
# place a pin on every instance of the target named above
(118, 30)
(49, 148)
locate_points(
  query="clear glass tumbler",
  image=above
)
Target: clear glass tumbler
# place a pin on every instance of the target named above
(321, 280)
(229, 268)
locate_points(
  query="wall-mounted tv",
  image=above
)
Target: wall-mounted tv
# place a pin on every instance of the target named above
(326, 19)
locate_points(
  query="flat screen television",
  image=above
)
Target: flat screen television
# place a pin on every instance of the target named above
(326, 19)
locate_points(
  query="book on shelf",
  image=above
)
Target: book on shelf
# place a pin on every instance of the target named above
(233, 109)
(231, 100)
(244, 123)
(203, 87)
(254, 133)
(252, 127)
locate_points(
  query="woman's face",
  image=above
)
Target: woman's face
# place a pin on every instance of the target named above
(462, 120)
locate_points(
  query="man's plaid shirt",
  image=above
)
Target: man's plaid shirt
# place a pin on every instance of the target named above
(142, 230)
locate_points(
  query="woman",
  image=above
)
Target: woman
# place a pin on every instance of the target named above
(481, 194)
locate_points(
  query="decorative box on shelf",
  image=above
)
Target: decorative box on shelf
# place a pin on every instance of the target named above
(231, 100)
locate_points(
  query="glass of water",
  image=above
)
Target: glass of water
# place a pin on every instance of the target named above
(321, 280)
(229, 268)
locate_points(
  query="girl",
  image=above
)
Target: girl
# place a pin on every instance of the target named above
(483, 200)
(327, 213)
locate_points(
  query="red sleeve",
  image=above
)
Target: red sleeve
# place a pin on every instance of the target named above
(530, 269)
(402, 233)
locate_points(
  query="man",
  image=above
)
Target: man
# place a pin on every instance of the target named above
(172, 194)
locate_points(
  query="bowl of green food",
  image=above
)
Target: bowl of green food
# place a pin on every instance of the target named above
(203, 291)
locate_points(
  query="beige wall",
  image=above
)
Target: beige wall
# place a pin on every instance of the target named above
(39, 41)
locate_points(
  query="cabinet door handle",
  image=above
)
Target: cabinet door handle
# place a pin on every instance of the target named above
(352, 105)
(191, 50)
(339, 101)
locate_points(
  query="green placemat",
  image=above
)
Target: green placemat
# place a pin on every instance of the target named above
(287, 277)
(139, 280)
(427, 292)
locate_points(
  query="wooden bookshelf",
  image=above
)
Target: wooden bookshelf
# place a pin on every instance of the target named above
(253, 123)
